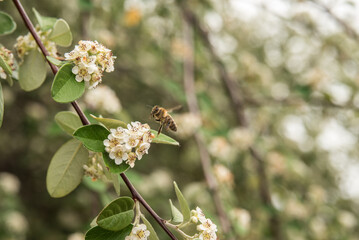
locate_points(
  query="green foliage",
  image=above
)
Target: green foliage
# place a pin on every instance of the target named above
(7, 24)
(92, 137)
(68, 121)
(186, 212)
(7, 70)
(66, 169)
(65, 88)
(116, 215)
(113, 167)
(45, 23)
(153, 234)
(32, 72)
(61, 33)
(176, 215)
(97, 186)
(98, 233)
(1, 105)
(55, 61)
(114, 123)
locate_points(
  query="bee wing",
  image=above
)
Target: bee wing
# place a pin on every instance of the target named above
(174, 108)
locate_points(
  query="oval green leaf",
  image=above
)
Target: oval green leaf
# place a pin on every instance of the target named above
(66, 169)
(164, 139)
(65, 88)
(1, 105)
(153, 234)
(55, 61)
(110, 123)
(68, 121)
(45, 22)
(114, 123)
(117, 215)
(186, 212)
(98, 233)
(61, 33)
(92, 137)
(177, 216)
(7, 24)
(113, 167)
(32, 72)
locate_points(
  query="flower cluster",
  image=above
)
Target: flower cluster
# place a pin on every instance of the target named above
(187, 124)
(93, 169)
(26, 43)
(91, 59)
(129, 144)
(207, 229)
(103, 98)
(138, 232)
(8, 57)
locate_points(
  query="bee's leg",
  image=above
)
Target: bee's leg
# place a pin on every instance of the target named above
(160, 129)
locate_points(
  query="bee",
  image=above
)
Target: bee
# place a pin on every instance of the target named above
(162, 115)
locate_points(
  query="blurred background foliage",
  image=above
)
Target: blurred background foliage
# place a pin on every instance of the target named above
(296, 65)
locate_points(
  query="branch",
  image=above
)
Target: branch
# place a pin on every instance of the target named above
(238, 107)
(85, 121)
(189, 86)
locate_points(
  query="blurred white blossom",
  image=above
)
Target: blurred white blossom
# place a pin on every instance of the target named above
(223, 175)
(242, 218)
(76, 236)
(103, 98)
(16, 222)
(94, 169)
(91, 59)
(220, 148)
(26, 43)
(8, 57)
(347, 219)
(128, 144)
(187, 124)
(241, 138)
(9, 183)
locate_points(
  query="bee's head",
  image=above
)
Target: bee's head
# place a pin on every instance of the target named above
(155, 109)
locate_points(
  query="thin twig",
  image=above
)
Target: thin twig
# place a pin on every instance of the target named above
(189, 86)
(85, 121)
(238, 106)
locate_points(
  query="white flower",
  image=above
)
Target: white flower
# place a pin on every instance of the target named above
(207, 225)
(92, 57)
(128, 144)
(142, 149)
(139, 232)
(8, 57)
(205, 235)
(198, 215)
(119, 154)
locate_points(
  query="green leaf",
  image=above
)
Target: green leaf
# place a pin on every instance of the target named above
(110, 123)
(55, 61)
(177, 216)
(153, 234)
(7, 24)
(117, 215)
(66, 169)
(164, 139)
(98, 233)
(97, 186)
(114, 123)
(32, 72)
(113, 167)
(183, 204)
(92, 137)
(7, 70)
(45, 23)
(65, 88)
(68, 121)
(61, 33)
(1, 105)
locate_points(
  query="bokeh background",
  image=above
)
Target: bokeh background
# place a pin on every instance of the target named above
(294, 65)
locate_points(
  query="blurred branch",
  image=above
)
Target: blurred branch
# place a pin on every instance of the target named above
(347, 28)
(188, 78)
(238, 107)
(85, 121)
